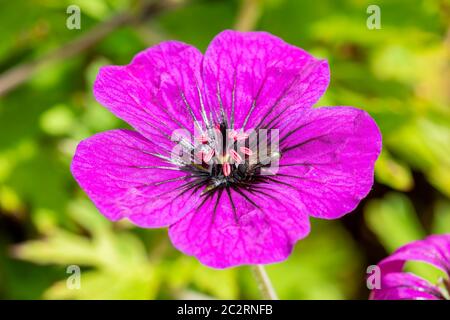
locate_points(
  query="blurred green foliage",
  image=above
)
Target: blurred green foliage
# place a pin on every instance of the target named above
(399, 74)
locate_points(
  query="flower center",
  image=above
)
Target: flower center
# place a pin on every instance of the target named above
(223, 158)
(231, 154)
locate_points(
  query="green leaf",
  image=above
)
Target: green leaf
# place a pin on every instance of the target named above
(393, 221)
(187, 271)
(325, 265)
(57, 120)
(393, 173)
(118, 260)
(139, 283)
(441, 221)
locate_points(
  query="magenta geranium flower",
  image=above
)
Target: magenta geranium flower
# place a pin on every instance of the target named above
(235, 204)
(399, 285)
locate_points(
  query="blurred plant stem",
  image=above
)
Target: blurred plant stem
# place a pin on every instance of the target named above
(248, 15)
(21, 73)
(264, 284)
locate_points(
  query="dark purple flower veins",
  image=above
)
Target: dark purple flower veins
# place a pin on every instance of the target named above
(439, 291)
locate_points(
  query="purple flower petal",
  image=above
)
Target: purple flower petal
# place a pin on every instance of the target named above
(158, 92)
(396, 284)
(252, 229)
(257, 78)
(328, 155)
(118, 171)
(434, 250)
(405, 286)
(225, 214)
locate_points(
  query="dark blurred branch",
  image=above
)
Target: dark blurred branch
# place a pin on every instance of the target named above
(21, 73)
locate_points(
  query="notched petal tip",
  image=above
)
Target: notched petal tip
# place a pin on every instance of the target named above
(258, 78)
(158, 92)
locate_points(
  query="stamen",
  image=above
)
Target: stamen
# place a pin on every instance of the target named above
(208, 156)
(235, 156)
(216, 169)
(217, 129)
(202, 139)
(199, 155)
(237, 136)
(246, 151)
(226, 168)
(232, 135)
(241, 136)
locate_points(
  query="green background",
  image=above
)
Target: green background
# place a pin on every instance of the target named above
(399, 74)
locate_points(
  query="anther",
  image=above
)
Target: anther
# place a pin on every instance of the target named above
(235, 156)
(232, 135)
(226, 168)
(237, 136)
(208, 155)
(246, 151)
(241, 136)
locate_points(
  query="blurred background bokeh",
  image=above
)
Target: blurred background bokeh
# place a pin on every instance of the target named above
(399, 74)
